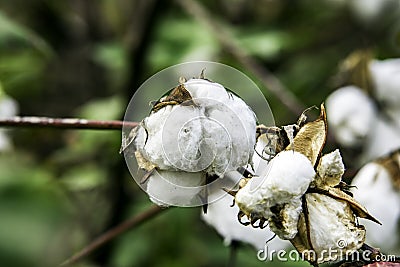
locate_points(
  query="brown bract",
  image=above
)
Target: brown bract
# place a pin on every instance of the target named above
(311, 138)
(179, 95)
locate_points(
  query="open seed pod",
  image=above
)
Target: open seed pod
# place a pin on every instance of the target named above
(193, 135)
(304, 200)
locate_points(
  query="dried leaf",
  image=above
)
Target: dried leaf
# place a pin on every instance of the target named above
(311, 138)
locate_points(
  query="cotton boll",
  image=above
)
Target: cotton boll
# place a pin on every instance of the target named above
(200, 129)
(350, 114)
(369, 10)
(332, 226)
(213, 132)
(284, 222)
(223, 217)
(8, 108)
(204, 89)
(374, 190)
(229, 125)
(285, 181)
(383, 138)
(386, 77)
(167, 188)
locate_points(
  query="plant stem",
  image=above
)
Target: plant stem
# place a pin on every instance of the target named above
(113, 233)
(64, 123)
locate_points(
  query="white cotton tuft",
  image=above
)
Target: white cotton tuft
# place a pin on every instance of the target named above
(375, 191)
(370, 10)
(386, 77)
(214, 133)
(8, 108)
(167, 188)
(332, 226)
(350, 113)
(383, 138)
(284, 182)
(331, 168)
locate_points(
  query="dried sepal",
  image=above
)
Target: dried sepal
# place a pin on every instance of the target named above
(311, 138)
(143, 163)
(392, 164)
(355, 70)
(303, 248)
(275, 138)
(128, 141)
(179, 95)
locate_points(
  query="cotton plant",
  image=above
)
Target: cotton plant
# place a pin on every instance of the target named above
(199, 133)
(8, 108)
(192, 137)
(302, 198)
(366, 116)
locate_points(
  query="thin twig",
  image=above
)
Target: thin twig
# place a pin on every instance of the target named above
(233, 251)
(113, 233)
(227, 41)
(64, 123)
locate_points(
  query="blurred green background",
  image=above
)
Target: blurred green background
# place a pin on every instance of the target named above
(59, 189)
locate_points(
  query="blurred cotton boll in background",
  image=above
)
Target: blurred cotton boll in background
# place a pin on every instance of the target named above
(8, 108)
(374, 189)
(369, 121)
(351, 114)
(386, 76)
(370, 10)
